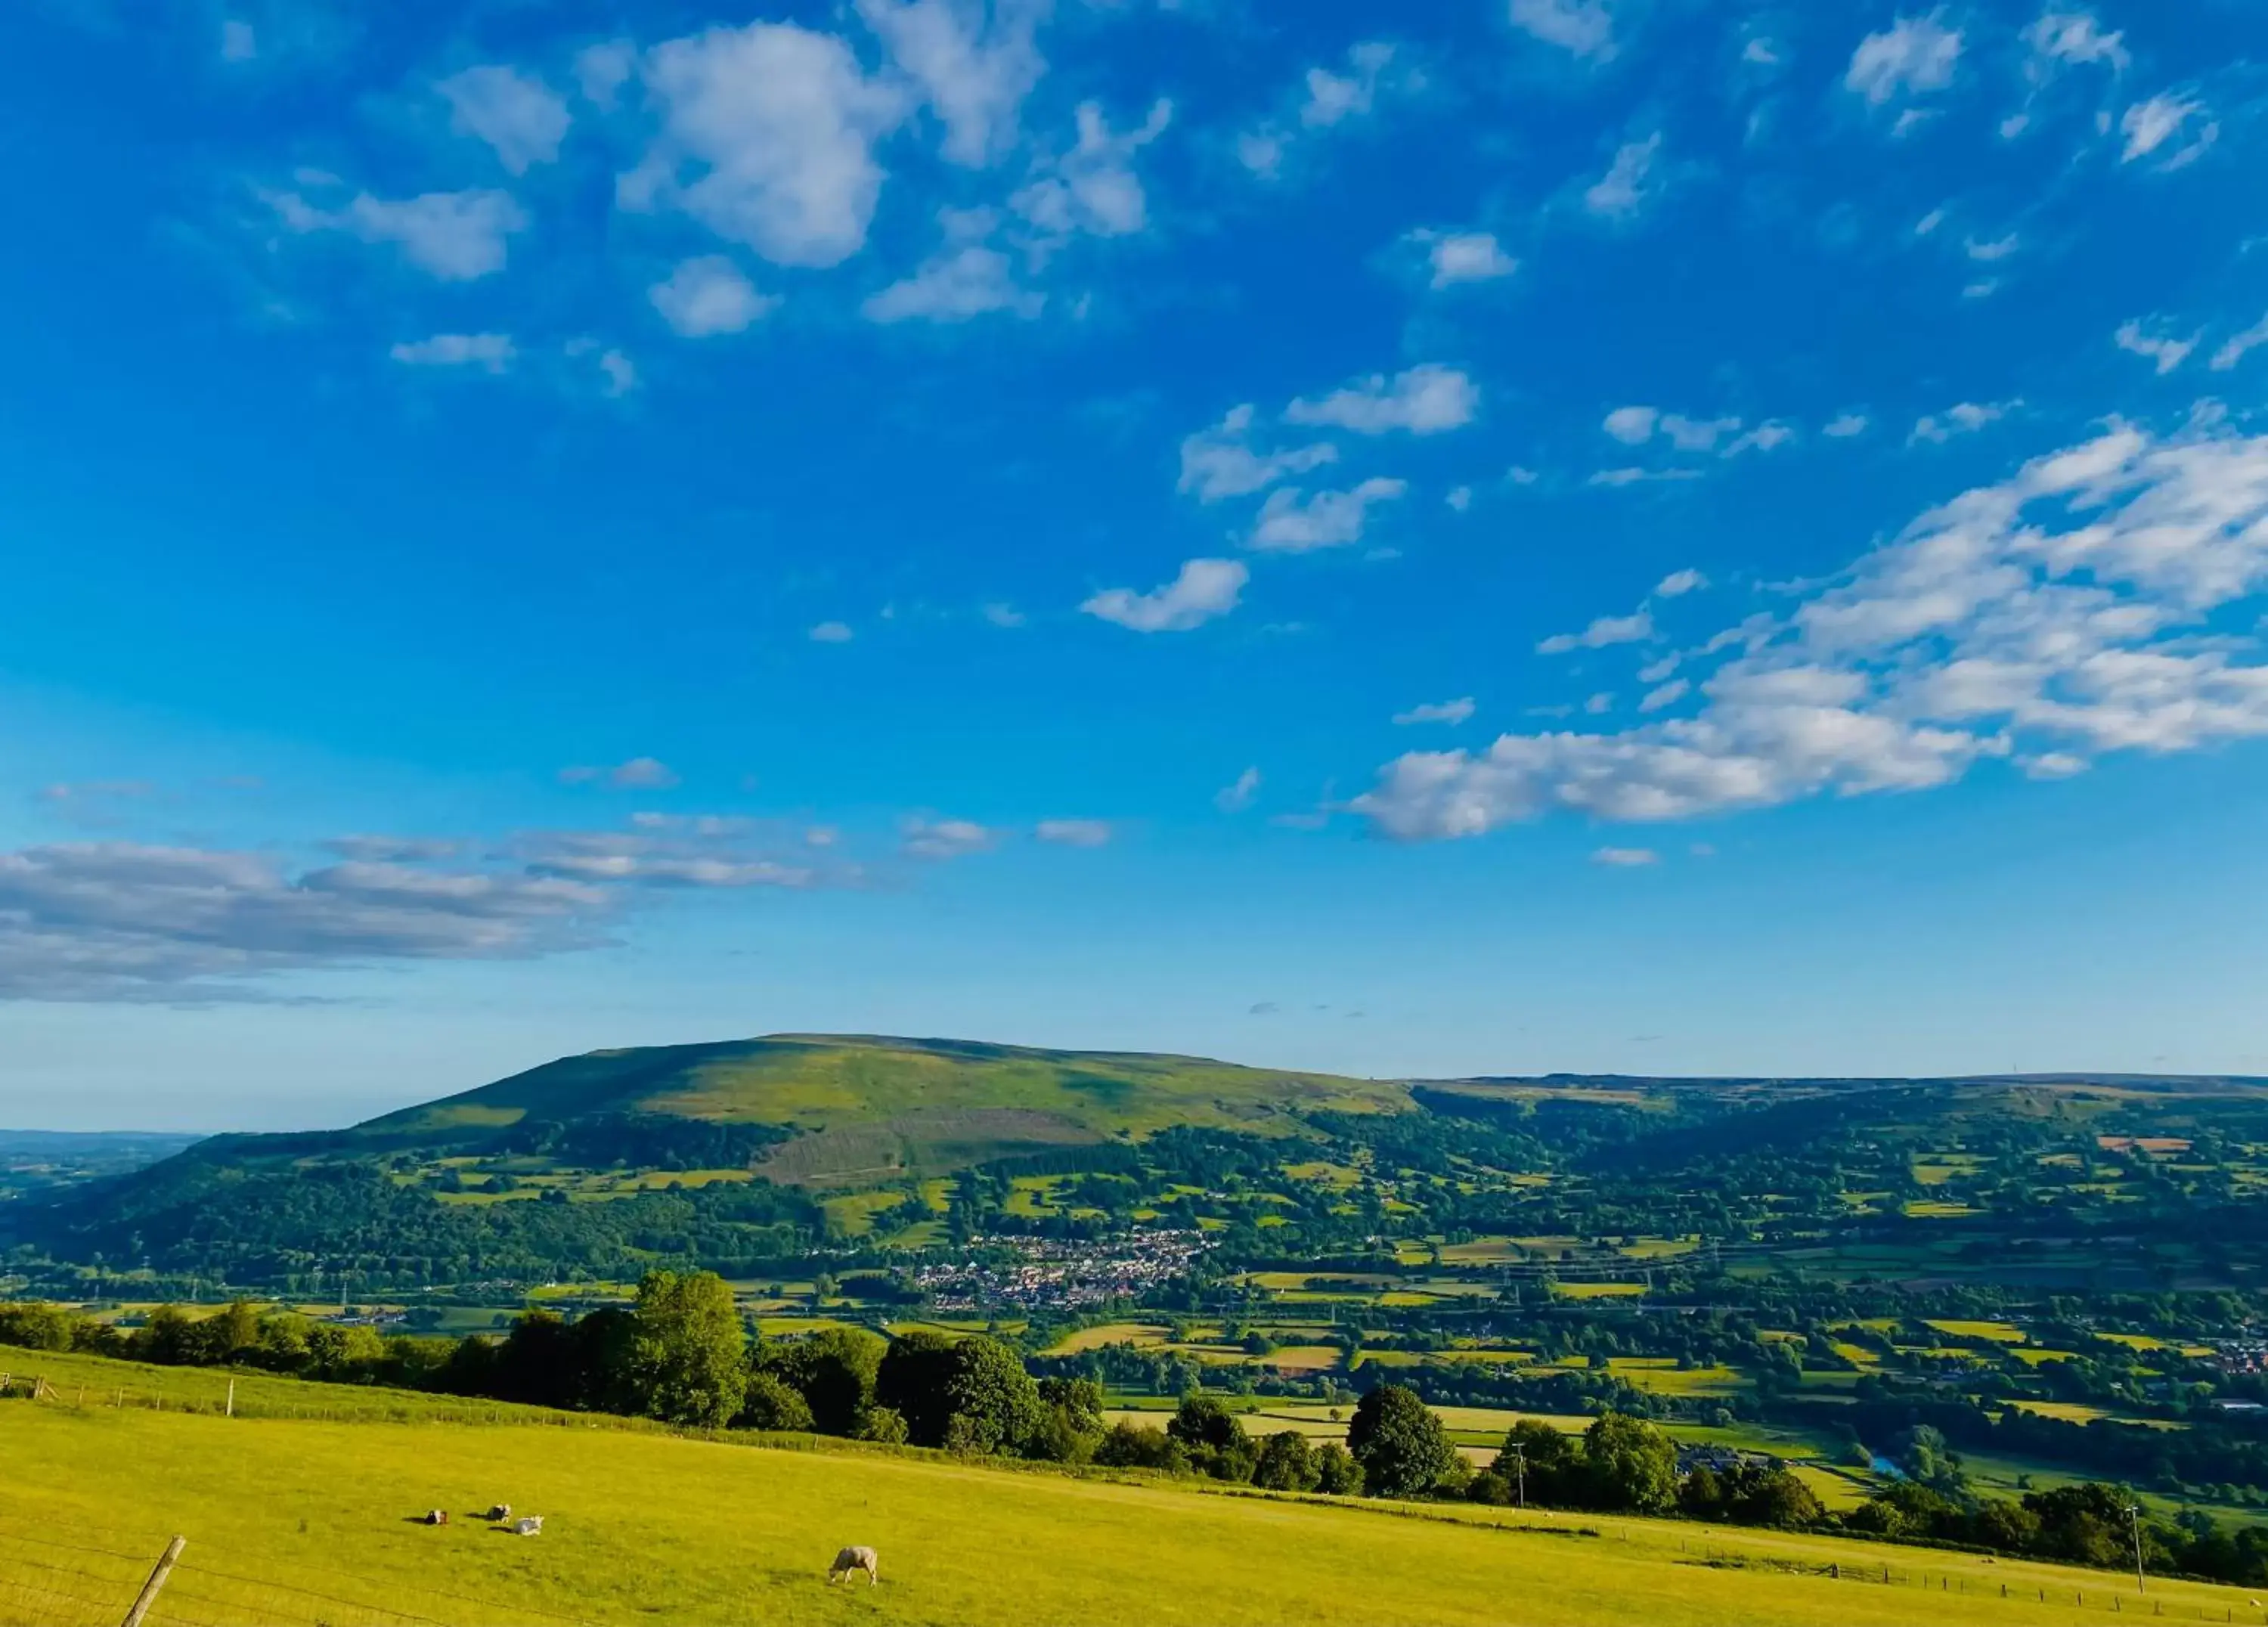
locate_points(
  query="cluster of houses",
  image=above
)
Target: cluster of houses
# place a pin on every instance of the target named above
(1060, 1273)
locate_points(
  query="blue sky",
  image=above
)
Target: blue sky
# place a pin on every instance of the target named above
(1496, 536)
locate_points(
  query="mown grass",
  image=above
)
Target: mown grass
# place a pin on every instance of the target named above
(645, 1527)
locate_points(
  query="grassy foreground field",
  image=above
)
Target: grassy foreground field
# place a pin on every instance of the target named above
(297, 1521)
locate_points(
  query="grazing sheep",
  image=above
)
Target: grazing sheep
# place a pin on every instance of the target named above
(527, 1525)
(439, 1516)
(852, 1559)
(501, 1510)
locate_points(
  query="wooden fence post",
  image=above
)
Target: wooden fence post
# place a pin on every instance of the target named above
(156, 1585)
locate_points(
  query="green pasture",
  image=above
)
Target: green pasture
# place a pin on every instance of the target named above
(295, 1523)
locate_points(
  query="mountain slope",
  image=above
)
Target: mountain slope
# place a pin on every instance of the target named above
(844, 1107)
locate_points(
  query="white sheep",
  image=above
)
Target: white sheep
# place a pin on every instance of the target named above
(853, 1559)
(527, 1525)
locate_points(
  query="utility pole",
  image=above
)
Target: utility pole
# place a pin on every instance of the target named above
(2134, 1519)
(1520, 1468)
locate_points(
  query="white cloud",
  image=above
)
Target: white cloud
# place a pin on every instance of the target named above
(1455, 257)
(1666, 695)
(237, 43)
(620, 372)
(1262, 152)
(1423, 400)
(1625, 858)
(707, 295)
(1962, 418)
(1237, 796)
(974, 70)
(2050, 619)
(639, 774)
(832, 632)
(1092, 188)
(1291, 522)
(456, 236)
(965, 278)
(1002, 615)
(1633, 426)
(2149, 125)
(2238, 347)
(1582, 28)
(2167, 353)
(947, 838)
(1219, 462)
(1458, 498)
(768, 139)
(1204, 589)
(1677, 584)
(491, 352)
(1638, 476)
(1599, 704)
(603, 69)
(1992, 249)
(519, 115)
(1767, 437)
(1083, 833)
(1332, 96)
(1845, 425)
(1607, 629)
(1438, 712)
(2076, 38)
(118, 921)
(1913, 56)
(1622, 192)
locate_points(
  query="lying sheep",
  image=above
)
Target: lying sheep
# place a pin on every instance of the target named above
(439, 1516)
(501, 1510)
(853, 1559)
(527, 1525)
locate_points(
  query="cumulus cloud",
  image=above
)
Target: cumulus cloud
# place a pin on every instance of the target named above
(1845, 425)
(2240, 346)
(1327, 99)
(973, 65)
(489, 352)
(639, 774)
(1237, 794)
(2050, 618)
(1293, 522)
(1914, 56)
(832, 633)
(1627, 186)
(707, 295)
(1204, 589)
(516, 114)
(946, 838)
(1606, 631)
(1438, 712)
(1960, 418)
(767, 139)
(1677, 584)
(1636, 426)
(2149, 125)
(120, 921)
(1220, 462)
(2167, 353)
(1582, 28)
(1092, 188)
(966, 278)
(1423, 400)
(1455, 257)
(459, 237)
(2075, 39)
(1083, 833)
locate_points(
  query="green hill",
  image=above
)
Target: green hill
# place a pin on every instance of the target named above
(850, 1108)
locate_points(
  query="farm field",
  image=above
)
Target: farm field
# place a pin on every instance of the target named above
(641, 1527)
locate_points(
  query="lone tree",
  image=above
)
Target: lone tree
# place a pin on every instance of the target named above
(1400, 1443)
(1631, 1465)
(686, 1356)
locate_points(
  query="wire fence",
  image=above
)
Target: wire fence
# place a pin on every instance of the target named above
(75, 1577)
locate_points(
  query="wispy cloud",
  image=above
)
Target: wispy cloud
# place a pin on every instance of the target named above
(1438, 712)
(639, 774)
(1423, 400)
